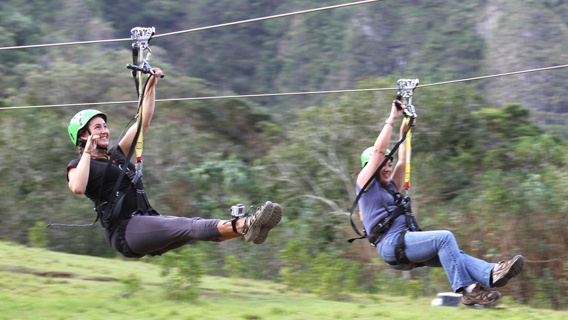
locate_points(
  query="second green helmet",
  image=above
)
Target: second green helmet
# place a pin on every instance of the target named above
(366, 155)
(80, 120)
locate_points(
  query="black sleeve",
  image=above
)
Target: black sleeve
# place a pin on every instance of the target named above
(72, 164)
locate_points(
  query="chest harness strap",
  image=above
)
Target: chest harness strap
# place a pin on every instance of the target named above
(403, 207)
(111, 215)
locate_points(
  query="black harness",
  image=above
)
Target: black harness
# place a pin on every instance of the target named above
(403, 207)
(110, 212)
(381, 228)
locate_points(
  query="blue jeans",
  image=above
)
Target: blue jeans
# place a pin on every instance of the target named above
(439, 248)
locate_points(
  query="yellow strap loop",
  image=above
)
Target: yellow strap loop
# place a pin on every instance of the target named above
(408, 156)
(140, 141)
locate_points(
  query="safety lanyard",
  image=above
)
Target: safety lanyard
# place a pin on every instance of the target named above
(405, 92)
(140, 43)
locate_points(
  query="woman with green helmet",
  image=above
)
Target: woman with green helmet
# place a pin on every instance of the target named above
(132, 226)
(388, 219)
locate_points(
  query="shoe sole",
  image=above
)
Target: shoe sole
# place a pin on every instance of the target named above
(275, 217)
(514, 271)
(262, 218)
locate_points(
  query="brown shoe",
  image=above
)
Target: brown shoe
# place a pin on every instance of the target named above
(480, 295)
(275, 217)
(254, 223)
(506, 270)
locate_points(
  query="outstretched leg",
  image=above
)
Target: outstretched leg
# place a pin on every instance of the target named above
(440, 248)
(156, 235)
(471, 275)
(159, 234)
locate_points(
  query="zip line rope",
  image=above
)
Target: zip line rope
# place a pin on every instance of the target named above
(291, 93)
(249, 95)
(196, 29)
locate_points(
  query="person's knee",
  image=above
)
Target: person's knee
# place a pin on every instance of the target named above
(446, 236)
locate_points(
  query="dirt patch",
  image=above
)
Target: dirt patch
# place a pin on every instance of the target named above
(55, 274)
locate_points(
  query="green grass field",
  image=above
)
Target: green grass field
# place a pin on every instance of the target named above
(38, 284)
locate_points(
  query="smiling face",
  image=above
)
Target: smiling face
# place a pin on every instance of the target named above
(98, 129)
(386, 172)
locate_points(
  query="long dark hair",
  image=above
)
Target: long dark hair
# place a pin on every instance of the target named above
(80, 141)
(355, 174)
(81, 144)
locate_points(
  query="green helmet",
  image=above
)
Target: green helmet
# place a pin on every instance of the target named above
(80, 120)
(366, 155)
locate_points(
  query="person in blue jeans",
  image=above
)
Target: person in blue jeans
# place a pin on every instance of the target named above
(380, 199)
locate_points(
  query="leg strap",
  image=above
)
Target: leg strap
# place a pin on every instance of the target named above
(400, 252)
(122, 246)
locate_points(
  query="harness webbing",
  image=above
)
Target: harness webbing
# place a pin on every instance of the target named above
(404, 203)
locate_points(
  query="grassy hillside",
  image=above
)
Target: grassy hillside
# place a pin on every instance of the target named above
(36, 283)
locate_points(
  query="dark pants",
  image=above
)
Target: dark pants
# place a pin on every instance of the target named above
(156, 235)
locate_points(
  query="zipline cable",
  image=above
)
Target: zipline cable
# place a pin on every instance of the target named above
(290, 93)
(268, 17)
(496, 75)
(196, 29)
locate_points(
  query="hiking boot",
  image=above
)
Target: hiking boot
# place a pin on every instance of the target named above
(256, 226)
(480, 295)
(271, 223)
(506, 270)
